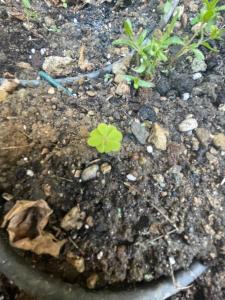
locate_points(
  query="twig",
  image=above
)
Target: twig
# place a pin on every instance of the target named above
(165, 216)
(166, 18)
(75, 245)
(14, 147)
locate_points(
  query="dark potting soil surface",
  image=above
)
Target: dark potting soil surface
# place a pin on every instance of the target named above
(133, 231)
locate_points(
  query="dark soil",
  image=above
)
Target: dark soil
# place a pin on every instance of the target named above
(174, 211)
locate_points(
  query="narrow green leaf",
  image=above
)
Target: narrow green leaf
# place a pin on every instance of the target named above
(145, 84)
(142, 37)
(174, 40)
(122, 42)
(208, 46)
(26, 3)
(198, 54)
(140, 69)
(127, 27)
(220, 8)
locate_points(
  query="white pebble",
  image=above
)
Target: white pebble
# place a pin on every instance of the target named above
(30, 173)
(149, 149)
(185, 96)
(42, 51)
(100, 255)
(33, 50)
(131, 177)
(197, 76)
(172, 260)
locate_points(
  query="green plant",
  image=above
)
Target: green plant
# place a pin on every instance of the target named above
(205, 29)
(151, 52)
(105, 138)
(29, 12)
(137, 82)
(64, 3)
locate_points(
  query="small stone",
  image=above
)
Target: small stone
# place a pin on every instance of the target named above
(76, 261)
(188, 124)
(185, 96)
(131, 177)
(203, 136)
(73, 219)
(195, 144)
(197, 76)
(149, 149)
(47, 189)
(58, 66)
(7, 196)
(90, 172)
(30, 173)
(91, 93)
(92, 281)
(160, 180)
(159, 137)
(49, 21)
(100, 255)
(219, 141)
(51, 91)
(123, 89)
(77, 173)
(106, 168)
(90, 221)
(139, 131)
(198, 65)
(221, 107)
(147, 113)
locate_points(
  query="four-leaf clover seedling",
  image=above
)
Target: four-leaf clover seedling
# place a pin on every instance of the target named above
(105, 138)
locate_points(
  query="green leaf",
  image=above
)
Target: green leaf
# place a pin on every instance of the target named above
(145, 84)
(140, 69)
(208, 46)
(105, 138)
(123, 42)
(174, 40)
(127, 27)
(142, 37)
(220, 8)
(198, 54)
(26, 3)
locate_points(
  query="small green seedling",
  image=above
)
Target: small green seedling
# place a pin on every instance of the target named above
(150, 52)
(205, 29)
(137, 82)
(64, 3)
(105, 138)
(29, 12)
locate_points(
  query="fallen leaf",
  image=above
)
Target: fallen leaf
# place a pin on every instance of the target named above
(25, 224)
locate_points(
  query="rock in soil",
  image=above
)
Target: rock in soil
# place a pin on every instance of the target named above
(74, 219)
(139, 131)
(159, 137)
(188, 124)
(90, 172)
(147, 113)
(58, 66)
(219, 141)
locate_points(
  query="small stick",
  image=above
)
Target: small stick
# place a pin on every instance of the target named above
(14, 147)
(165, 216)
(75, 245)
(166, 18)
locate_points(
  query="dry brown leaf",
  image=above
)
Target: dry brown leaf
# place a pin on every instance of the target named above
(25, 225)
(24, 65)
